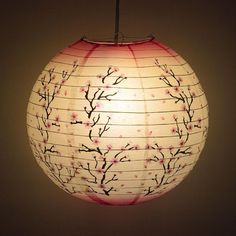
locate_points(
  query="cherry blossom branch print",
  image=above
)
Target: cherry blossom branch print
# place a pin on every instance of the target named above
(169, 166)
(103, 160)
(99, 171)
(59, 173)
(183, 126)
(43, 150)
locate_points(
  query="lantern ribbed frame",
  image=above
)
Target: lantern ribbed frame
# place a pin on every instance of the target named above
(117, 123)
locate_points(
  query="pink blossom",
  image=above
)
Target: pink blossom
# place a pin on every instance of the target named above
(57, 118)
(181, 143)
(98, 104)
(115, 161)
(184, 107)
(176, 89)
(82, 89)
(173, 130)
(102, 186)
(48, 125)
(83, 178)
(136, 147)
(87, 124)
(175, 117)
(74, 116)
(148, 146)
(161, 161)
(167, 91)
(109, 147)
(115, 68)
(99, 171)
(96, 141)
(190, 127)
(99, 76)
(107, 86)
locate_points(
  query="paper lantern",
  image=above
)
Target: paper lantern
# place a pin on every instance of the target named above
(117, 123)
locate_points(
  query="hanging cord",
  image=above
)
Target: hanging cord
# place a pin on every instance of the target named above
(117, 19)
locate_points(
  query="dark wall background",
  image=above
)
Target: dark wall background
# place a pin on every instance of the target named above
(203, 32)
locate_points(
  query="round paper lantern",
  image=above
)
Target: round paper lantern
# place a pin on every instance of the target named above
(117, 123)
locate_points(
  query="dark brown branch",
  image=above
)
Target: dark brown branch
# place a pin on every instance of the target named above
(105, 128)
(91, 101)
(101, 96)
(108, 191)
(76, 122)
(109, 72)
(84, 148)
(50, 150)
(95, 120)
(90, 172)
(119, 80)
(114, 178)
(170, 72)
(149, 191)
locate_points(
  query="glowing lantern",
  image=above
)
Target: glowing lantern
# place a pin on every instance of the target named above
(117, 123)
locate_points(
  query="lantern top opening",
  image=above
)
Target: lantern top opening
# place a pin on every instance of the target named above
(123, 41)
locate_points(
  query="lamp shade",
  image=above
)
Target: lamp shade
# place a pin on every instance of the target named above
(117, 123)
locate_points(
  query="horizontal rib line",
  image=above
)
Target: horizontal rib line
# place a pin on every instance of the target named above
(115, 149)
(119, 180)
(105, 66)
(133, 77)
(127, 171)
(132, 194)
(113, 87)
(121, 112)
(110, 124)
(122, 100)
(111, 137)
(137, 50)
(108, 57)
(86, 159)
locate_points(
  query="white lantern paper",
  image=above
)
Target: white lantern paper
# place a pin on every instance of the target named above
(117, 124)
